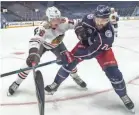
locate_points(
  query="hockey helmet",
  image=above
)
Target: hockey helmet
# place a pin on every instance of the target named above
(102, 11)
(52, 13)
(112, 9)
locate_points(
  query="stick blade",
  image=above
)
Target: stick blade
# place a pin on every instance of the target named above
(40, 91)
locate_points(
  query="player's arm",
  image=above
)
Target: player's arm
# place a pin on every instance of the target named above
(82, 32)
(99, 41)
(34, 46)
(93, 46)
(92, 43)
(38, 38)
(72, 23)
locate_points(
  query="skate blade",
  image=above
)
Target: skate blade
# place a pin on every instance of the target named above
(85, 88)
(49, 93)
(8, 94)
(81, 86)
(132, 111)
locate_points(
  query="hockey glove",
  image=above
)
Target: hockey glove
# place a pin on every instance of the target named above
(82, 35)
(33, 57)
(80, 32)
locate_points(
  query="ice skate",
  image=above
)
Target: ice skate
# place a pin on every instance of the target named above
(51, 89)
(12, 88)
(78, 80)
(128, 103)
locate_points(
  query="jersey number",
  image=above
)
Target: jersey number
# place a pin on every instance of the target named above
(105, 47)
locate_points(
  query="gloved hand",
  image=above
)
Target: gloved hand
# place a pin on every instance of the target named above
(81, 33)
(33, 57)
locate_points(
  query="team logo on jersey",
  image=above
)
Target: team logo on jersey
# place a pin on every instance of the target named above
(108, 34)
(90, 16)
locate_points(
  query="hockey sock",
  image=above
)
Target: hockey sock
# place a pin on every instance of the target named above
(62, 74)
(21, 77)
(117, 81)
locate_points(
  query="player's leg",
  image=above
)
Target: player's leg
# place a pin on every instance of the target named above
(22, 75)
(77, 78)
(116, 29)
(73, 73)
(62, 74)
(65, 70)
(109, 65)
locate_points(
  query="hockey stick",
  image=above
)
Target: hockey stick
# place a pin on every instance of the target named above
(39, 84)
(28, 68)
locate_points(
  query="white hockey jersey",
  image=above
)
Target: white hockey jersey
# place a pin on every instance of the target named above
(49, 37)
(113, 18)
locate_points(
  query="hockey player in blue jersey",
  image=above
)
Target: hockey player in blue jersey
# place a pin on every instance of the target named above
(96, 36)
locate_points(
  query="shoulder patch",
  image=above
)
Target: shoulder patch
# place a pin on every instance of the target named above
(90, 16)
(108, 33)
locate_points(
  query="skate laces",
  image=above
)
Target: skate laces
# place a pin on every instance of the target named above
(53, 85)
(14, 86)
(126, 99)
(78, 79)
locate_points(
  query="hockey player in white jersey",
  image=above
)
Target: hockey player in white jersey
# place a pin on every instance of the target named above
(114, 18)
(48, 37)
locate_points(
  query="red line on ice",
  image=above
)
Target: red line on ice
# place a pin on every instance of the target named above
(18, 53)
(134, 84)
(68, 98)
(58, 99)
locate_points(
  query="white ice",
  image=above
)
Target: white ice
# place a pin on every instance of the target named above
(70, 99)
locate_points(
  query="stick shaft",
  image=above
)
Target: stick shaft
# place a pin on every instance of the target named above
(28, 68)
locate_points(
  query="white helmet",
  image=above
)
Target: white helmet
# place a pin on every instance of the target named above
(52, 12)
(112, 9)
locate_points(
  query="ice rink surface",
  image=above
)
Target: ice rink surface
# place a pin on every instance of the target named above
(99, 97)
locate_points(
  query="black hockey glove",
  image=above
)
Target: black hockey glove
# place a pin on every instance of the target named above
(82, 35)
(33, 57)
(80, 32)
